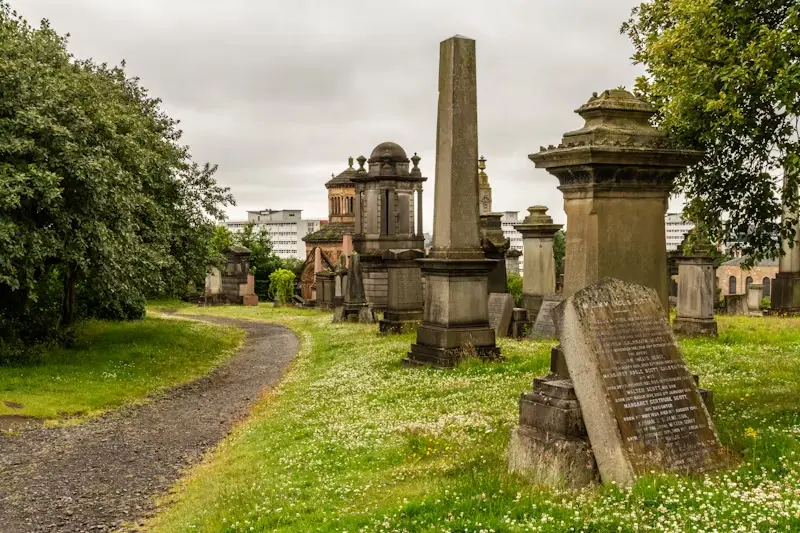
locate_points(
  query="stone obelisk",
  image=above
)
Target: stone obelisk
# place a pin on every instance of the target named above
(456, 318)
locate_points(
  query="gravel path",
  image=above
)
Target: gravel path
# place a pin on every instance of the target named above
(106, 472)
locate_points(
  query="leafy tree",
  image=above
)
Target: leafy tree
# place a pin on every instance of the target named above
(281, 286)
(263, 260)
(725, 78)
(514, 285)
(97, 196)
(294, 264)
(559, 249)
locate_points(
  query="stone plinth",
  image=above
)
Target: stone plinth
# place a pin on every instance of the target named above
(326, 289)
(539, 278)
(641, 406)
(495, 245)
(736, 304)
(520, 323)
(456, 318)
(616, 174)
(755, 292)
(404, 310)
(696, 293)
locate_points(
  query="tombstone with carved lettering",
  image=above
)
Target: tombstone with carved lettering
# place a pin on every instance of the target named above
(640, 405)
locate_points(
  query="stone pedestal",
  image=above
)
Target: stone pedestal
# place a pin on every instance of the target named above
(785, 294)
(550, 445)
(456, 318)
(736, 304)
(404, 311)
(326, 288)
(495, 245)
(755, 292)
(520, 323)
(616, 174)
(539, 276)
(696, 292)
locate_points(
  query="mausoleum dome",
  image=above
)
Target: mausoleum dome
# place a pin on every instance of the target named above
(389, 150)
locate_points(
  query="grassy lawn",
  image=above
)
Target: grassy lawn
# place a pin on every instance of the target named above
(114, 363)
(354, 442)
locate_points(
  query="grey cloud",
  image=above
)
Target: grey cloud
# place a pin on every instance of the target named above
(279, 93)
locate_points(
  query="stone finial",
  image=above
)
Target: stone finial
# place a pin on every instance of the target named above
(538, 215)
(361, 160)
(350, 162)
(483, 178)
(415, 159)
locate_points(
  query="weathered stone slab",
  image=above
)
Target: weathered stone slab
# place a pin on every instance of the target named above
(501, 307)
(544, 327)
(641, 405)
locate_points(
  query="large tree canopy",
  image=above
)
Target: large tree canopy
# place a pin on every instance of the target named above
(97, 195)
(725, 76)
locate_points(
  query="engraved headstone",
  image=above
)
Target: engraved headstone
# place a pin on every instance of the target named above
(641, 405)
(544, 327)
(501, 306)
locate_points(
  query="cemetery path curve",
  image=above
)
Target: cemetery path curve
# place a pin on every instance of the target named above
(106, 472)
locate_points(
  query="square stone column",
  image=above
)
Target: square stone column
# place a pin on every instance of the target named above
(404, 311)
(539, 275)
(785, 294)
(456, 318)
(696, 294)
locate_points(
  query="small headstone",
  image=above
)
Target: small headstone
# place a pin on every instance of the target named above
(501, 305)
(544, 327)
(641, 405)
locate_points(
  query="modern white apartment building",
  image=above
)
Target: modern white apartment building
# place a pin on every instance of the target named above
(509, 220)
(676, 228)
(286, 229)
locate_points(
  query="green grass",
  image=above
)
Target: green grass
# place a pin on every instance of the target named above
(113, 363)
(353, 442)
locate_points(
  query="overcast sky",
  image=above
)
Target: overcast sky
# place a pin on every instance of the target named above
(280, 92)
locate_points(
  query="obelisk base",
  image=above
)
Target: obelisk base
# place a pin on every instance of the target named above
(695, 327)
(456, 319)
(785, 296)
(396, 322)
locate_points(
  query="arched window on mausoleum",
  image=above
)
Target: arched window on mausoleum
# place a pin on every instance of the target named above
(732, 285)
(747, 283)
(767, 287)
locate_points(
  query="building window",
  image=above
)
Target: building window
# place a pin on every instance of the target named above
(767, 288)
(732, 285)
(748, 282)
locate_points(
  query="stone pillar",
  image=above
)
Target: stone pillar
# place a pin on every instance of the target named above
(539, 274)
(696, 296)
(785, 294)
(755, 292)
(495, 245)
(456, 317)
(419, 214)
(512, 261)
(355, 308)
(404, 308)
(616, 174)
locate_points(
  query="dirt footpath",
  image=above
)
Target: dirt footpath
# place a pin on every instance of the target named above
(106, 472)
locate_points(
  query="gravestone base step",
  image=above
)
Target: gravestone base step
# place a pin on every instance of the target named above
(362, 315)
(547, 459)
(695, 327)
(421, 355)
(396, 322)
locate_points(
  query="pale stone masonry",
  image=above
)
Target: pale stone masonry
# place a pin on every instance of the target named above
(456, 318)
(539, 279)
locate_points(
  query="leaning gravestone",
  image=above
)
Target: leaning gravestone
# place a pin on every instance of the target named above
(544, 327)
(501, 306)
(640, 403)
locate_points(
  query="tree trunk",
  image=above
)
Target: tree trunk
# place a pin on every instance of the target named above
(68, 304)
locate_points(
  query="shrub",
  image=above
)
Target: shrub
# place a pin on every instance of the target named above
(281, 286)
(766, 303)
(514, 284)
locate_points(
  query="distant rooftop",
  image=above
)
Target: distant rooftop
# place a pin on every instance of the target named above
(739, 260)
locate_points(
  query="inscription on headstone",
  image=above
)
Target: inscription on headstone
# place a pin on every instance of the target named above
(544, 327)
(501, 306)
(640, 403)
